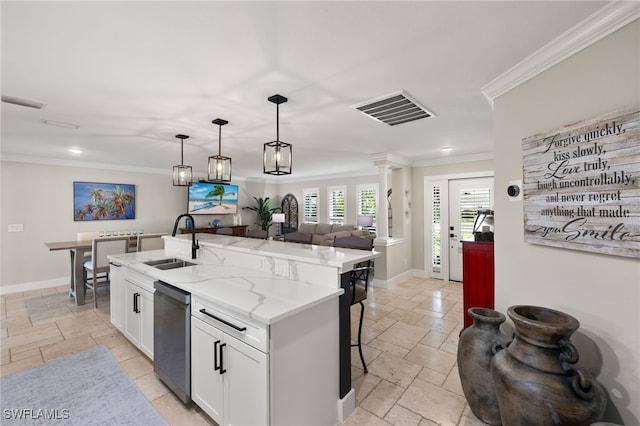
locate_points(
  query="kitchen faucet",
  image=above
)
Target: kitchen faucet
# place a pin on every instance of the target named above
(194, 244)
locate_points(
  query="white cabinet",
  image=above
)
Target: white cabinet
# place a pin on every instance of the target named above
(229, 377)
(249, 373)
(116, 277)
(138, 311)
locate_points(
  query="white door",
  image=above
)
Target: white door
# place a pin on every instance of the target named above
(131, 315)
(466, 196)
(206, 381)
(246, 381)
(146, 322)
(117, 295)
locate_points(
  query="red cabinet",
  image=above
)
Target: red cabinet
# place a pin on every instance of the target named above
(477, 276)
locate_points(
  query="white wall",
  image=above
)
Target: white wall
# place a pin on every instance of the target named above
(40, 197)
(602, 292)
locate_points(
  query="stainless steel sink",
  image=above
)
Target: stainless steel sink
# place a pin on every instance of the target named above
(161, 261)
(170, 263)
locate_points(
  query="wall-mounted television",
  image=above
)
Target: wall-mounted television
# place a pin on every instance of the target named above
(212, 198)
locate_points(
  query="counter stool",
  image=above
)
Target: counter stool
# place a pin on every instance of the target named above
(150, 242)
(257, 233)
(99, 263)
(297, 237)
(358, 281)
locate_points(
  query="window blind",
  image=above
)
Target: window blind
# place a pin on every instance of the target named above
(470, 201)
(337, 208)
(310, 206)
(436, 246)
(367, 201)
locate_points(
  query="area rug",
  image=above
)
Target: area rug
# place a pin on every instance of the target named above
(85, 388)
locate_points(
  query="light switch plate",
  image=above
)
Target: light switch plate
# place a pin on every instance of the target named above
(16, 227)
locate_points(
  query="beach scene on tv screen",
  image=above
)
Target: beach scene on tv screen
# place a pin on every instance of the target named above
(213, 198)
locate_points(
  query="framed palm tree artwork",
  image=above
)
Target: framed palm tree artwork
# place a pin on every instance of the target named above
(103, 201)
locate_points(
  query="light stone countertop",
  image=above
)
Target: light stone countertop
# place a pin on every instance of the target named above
(263, 297)
(340, 258)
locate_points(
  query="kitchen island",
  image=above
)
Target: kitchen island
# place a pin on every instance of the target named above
(290, 298)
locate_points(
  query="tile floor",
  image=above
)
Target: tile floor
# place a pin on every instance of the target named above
(410, 333)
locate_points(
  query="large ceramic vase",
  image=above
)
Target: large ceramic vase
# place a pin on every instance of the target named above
(536, 378)
(476, 347)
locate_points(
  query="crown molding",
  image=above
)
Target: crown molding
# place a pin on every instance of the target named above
(605, 21)
(82, 164)
(454, 160)
(387, 159)
(290, 179)
(373, 171)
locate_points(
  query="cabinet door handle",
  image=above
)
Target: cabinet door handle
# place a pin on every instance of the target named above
(222, 370)
(136, 309)
(216, 367)
(115, 264)
(241, 329)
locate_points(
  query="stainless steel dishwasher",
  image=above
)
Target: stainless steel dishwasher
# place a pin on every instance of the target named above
(172, 338)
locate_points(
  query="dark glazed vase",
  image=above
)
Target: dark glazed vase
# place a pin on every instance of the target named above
(536, 378)
(476, 347)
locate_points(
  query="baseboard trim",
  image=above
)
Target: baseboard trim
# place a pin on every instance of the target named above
(346, 405)
(393, 281)
(420, 273)
(33, 285)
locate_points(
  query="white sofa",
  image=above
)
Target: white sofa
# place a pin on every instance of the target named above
(324, 233)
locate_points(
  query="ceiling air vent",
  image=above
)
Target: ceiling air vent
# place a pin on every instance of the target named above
(394, 109)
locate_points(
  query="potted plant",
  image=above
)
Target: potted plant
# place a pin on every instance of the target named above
(265, 212)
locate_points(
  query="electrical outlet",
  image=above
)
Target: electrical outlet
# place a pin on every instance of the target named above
(16, 227)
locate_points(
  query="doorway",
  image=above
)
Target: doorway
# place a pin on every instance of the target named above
(450, 210)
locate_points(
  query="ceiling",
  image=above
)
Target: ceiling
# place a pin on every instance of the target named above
(132, 75)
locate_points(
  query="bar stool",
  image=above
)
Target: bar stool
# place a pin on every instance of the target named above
(150, 242)
(99, 263)
(358, 281)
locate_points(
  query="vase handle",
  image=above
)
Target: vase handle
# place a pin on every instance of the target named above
(580, 383)
(497, 346)
(569, 352)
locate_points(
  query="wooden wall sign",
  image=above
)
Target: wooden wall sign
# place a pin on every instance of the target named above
(581, 186)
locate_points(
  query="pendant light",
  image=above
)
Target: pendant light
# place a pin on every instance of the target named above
(182, 173)
(219, 169)
(276, 158)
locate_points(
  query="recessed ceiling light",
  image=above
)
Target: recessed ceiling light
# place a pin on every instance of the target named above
(446, 149)
(61, 124)
(75, 151)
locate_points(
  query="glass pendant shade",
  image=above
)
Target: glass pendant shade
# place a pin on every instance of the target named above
(277, 158)
(219, 168)
(277, 155)
(182, 175)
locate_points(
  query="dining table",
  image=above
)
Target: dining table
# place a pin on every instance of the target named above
(77, 250)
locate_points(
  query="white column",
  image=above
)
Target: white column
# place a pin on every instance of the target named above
(382, 221)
